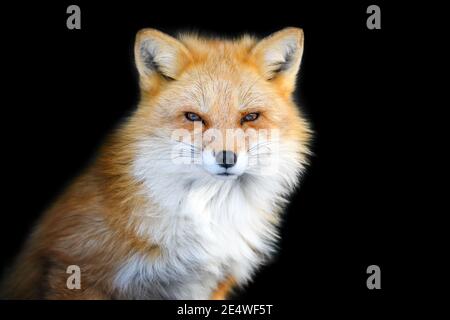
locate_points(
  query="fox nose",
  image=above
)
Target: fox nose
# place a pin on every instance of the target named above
(226, 159)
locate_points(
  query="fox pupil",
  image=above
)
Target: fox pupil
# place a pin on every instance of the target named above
(250, 117)
(193, 116)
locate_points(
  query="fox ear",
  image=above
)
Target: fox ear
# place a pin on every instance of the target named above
(278, 56)
(159, 56)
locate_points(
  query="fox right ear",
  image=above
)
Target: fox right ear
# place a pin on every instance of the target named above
(278, 56)
(159, 56)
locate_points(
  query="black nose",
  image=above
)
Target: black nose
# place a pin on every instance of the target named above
(226, 159)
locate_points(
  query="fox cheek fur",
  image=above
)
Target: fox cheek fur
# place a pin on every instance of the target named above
(142, 226)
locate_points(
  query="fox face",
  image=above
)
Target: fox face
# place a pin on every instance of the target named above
(214, 110)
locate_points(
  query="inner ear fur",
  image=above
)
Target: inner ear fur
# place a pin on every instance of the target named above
(278, 56)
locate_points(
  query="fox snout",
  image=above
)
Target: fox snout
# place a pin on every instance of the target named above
(224, 163)
(226, 159)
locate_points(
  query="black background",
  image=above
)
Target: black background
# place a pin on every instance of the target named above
(66, 89)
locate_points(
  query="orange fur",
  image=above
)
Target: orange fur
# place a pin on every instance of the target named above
(94, 223)
(224, 289)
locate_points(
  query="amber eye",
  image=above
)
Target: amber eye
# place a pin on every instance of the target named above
(250, 117)
(192, 116)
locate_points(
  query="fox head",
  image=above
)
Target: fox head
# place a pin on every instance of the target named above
(217, 112)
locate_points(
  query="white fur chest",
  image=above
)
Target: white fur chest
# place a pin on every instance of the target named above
(206, 233)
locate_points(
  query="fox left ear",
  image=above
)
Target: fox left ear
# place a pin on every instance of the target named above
(159, 57)
(278, 56)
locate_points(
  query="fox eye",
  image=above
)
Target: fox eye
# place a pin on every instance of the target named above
(192, 116)
(250, 117)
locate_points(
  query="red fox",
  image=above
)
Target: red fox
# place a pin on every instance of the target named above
(143, 221)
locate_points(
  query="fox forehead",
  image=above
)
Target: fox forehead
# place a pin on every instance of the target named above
(222, 76)
(206, 92)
